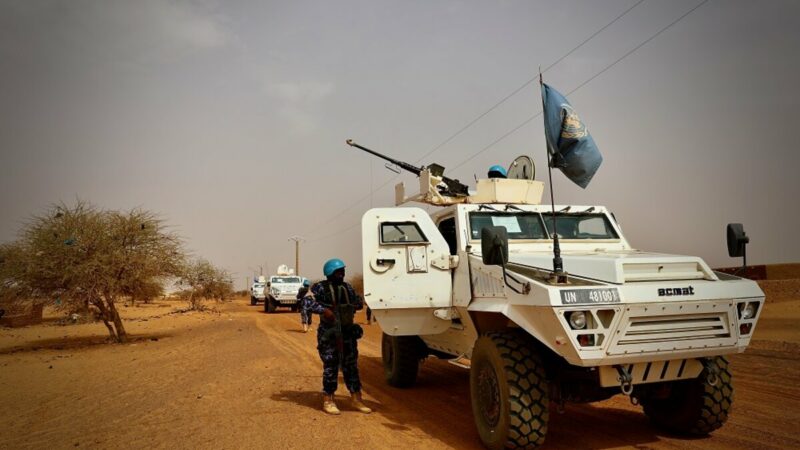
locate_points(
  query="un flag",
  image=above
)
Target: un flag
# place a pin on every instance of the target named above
(569, 143)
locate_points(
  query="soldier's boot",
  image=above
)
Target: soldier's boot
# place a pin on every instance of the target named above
(329, 406)
(359, 404)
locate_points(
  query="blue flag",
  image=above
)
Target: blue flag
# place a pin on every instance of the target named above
(569, 143)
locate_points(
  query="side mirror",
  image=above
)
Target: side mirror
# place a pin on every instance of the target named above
(494, 246)
(737, 240)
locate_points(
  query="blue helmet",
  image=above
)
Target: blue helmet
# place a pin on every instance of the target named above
(306, 282)
(497, 172)
(332, 265)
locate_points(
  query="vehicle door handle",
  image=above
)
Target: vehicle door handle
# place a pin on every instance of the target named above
(384, 261)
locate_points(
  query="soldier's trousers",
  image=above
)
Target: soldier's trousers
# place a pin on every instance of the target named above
(330, 364)
(305, 316)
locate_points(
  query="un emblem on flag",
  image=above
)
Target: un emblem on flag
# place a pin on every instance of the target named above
(571, 125)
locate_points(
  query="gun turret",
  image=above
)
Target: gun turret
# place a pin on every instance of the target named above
(448, 187)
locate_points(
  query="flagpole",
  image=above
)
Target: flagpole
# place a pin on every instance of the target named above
(559, 276)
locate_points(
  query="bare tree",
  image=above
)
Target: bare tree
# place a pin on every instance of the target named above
(203, 281)
(82, 256)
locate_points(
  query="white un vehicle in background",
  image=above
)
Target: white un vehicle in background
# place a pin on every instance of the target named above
(282, 290)
(472, 282)
(258, 290)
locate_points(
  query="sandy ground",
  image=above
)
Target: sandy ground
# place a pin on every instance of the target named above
(240, 378)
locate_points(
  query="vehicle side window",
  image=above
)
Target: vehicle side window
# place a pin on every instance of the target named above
(401, 233)
(448, 229)
(525, 225)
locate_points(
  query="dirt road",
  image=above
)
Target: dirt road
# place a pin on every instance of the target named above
(245, 379)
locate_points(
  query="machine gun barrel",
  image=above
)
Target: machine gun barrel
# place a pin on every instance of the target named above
(451, 187)
(403, 165)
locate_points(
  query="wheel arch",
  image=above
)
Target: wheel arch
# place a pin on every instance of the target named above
(490, 322)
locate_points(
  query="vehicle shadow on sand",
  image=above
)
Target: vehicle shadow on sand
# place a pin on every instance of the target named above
(605, 426)
(440, 406)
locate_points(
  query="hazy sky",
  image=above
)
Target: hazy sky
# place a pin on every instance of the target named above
(229, 118)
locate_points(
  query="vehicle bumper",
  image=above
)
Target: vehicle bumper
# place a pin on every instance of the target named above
(285, 299)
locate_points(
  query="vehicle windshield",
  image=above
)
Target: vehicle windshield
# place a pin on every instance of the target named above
(581, 226)
(285, 280)
(521, 225)
(258, 285)
(530, 225)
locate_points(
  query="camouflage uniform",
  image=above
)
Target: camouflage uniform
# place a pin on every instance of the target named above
(304, 303)
(337, 298)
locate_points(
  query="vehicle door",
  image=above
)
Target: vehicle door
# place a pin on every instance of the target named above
(407, 271)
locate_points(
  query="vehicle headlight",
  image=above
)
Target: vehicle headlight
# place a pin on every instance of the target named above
(747, 310)
(577, 320)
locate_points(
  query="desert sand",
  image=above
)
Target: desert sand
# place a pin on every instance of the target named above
(240, 378)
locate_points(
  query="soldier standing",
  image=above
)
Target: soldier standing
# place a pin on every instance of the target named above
(304, 301)
(336, 302)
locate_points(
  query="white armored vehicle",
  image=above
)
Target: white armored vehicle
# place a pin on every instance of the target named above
(282, 290)
(258, 290)
(473, 282)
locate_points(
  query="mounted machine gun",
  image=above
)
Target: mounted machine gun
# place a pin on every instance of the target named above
(435, 188)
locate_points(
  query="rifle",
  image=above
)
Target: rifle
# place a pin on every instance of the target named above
(339, 340)
(451, 188)
(337, 332)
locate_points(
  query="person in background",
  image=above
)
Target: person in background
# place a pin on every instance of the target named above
(304, 300)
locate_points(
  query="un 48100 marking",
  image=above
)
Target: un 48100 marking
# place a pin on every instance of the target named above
(576, 296)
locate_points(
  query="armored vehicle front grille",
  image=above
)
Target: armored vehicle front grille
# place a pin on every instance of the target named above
(659, 329)
(643, 330)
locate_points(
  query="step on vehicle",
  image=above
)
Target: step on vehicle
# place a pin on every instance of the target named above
(473, 283)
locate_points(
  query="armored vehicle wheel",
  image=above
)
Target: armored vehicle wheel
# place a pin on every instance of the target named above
(694, 406)
(509, 392)
(400, 359)
(253, 301)
(270, 305)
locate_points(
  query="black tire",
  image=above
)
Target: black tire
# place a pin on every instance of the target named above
(401, 356)
(509, 392)
(694, 407)
(270, 305)
(253, 301)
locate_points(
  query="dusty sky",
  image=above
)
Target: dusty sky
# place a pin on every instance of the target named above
(229, 118)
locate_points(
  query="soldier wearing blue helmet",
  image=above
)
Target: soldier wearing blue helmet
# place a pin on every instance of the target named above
(497, 172)
(304, 300)
(337, 335)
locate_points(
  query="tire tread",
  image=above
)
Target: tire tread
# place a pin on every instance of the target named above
(527, 385)
(696, 407)
(405, 364)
